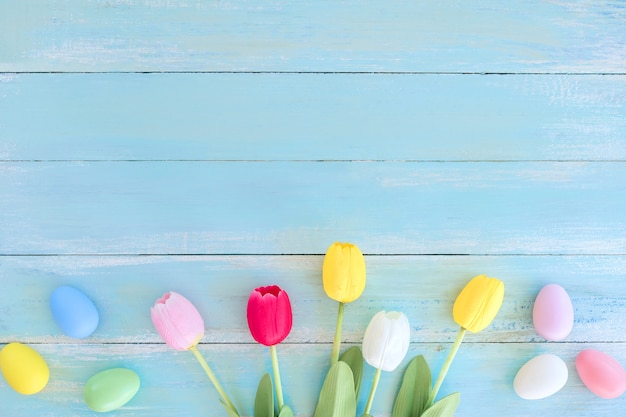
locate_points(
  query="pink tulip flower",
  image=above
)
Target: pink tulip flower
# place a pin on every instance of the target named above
(181, 327)
(177, 321)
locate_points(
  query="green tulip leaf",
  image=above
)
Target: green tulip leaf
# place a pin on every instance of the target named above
(264, 400)
(354, 358)
(337, 398)
(231, 411)
(445, 407)
(285, 412)
(414, 390)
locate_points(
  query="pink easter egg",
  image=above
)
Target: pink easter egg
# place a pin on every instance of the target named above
(553, 313)
(602, 374)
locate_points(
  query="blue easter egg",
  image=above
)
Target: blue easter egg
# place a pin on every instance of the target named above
(74, 312)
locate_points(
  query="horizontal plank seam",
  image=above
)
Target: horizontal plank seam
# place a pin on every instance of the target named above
(348, 342)
(35, 255)
(261, 161)
(549, 73)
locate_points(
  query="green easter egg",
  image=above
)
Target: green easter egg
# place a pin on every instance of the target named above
(111, 389)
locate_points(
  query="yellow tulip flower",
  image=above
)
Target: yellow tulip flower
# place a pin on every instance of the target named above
(474, 309)
(478, 303)
(343, 272)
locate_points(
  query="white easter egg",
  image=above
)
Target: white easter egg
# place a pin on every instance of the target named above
(540, 377)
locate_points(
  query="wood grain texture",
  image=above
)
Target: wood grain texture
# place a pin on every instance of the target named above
(312, 117)
(239, 35)
(301, 207)
(212, 147)
(174, 384)
(424, 287)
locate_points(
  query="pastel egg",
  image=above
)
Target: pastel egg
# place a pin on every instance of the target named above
(602, 374)
(553, 313)
(540, 377)
(74, 312)
(111, 389)
(23, 368)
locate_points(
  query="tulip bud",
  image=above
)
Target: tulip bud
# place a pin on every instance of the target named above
(478, 303)
(177, 321)
(269, 315)
(343, 272)
(386, 340)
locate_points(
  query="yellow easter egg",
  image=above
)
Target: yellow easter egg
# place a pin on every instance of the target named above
(23, 368)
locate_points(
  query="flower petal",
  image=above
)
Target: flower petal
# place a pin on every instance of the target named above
(376, 339)
(386, 340)
(398, 347)
(343, 272)
(269, 315)
(177, 321)
(478, 303)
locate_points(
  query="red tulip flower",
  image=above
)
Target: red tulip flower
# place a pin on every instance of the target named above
(269, 315)
(269, 320)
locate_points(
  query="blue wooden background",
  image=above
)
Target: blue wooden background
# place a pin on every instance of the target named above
(209, 147)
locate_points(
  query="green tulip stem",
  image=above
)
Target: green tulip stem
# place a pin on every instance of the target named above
(212, 377)
(279, 387)
(334, 357)
(446, 367)
(370, 399)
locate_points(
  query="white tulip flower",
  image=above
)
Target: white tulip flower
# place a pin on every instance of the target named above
(386, 340)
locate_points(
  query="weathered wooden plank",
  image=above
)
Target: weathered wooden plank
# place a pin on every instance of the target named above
(424, 287)
(120, 35)
(173, 384)
(300, 207)
(312, 117)
(535, 220)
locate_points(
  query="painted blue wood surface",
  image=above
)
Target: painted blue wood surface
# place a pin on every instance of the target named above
(300, 207)
(175, 385)
(212, 147)
(422, 286)
(241, 35)
(312, 117)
